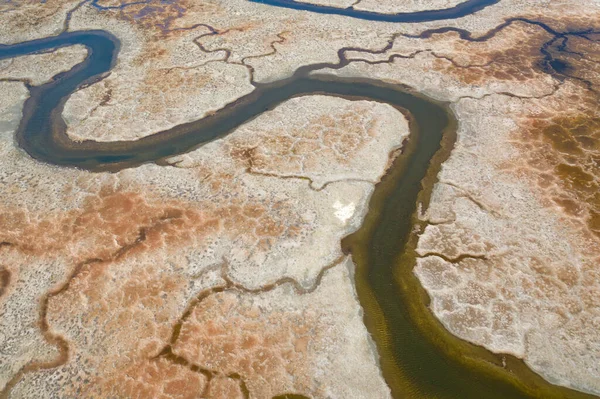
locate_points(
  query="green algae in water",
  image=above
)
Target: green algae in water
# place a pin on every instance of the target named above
(419, 357)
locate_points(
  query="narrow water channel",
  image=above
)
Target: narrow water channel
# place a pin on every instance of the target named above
(465, 8)
(420, 359)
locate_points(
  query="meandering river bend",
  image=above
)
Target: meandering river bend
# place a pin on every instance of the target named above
(460, 10)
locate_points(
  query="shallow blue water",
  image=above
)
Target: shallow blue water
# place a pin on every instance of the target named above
(461, 10)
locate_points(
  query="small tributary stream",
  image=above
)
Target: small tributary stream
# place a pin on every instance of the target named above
(419, 357)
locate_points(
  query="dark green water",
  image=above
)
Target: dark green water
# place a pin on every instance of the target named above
(420, 359)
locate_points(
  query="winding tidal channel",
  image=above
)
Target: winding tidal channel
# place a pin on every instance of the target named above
(467, 7)
(419, 357)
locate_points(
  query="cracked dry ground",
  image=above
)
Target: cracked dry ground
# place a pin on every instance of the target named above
(220, 274)
(510, 250)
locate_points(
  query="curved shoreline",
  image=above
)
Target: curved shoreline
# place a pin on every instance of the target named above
(42, 133)
(461, 10)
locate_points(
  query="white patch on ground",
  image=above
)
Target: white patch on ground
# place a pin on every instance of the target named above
(344, 212)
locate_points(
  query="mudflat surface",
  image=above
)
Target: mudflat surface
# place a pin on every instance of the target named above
(217, 271)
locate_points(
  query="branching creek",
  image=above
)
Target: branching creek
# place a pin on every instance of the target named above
(419, 358)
